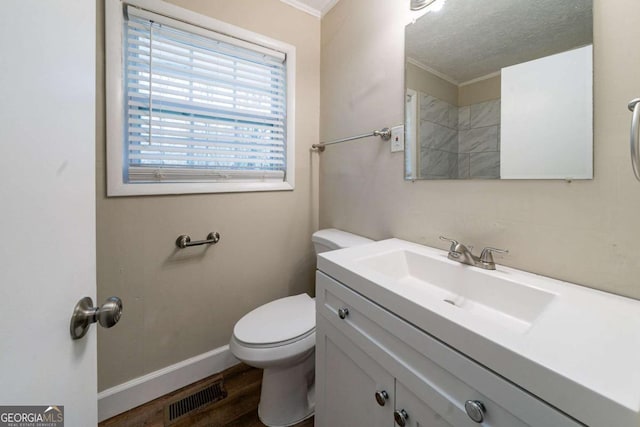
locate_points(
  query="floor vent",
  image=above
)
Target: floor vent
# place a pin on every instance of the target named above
(207, 395)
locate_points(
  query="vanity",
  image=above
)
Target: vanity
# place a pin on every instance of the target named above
(405, 335)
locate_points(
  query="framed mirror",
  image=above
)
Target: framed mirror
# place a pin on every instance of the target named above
(499, 89)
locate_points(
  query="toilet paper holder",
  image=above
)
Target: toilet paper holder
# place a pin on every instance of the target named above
(184, 241)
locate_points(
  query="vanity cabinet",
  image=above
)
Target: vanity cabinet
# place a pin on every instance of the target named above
(353, 379)
(362, 350)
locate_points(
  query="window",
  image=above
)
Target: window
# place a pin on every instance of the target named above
(195, 105)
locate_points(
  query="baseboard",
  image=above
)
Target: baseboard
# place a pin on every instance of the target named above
(138, 391)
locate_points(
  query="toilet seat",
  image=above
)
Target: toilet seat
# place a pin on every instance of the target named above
(278, 323)
(274, 356)
(279, 343)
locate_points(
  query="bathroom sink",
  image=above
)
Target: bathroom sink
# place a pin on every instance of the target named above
(574, 347)
(490, 295)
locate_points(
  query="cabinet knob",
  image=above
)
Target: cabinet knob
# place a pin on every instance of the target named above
(475, 409)
(401, 417)
(381, 397)
(343, 312)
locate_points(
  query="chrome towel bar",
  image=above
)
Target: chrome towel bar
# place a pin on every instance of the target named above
(384, 133)
(184, 241)
(634, 107)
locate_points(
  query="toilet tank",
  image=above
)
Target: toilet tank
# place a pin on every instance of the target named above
(331, 238)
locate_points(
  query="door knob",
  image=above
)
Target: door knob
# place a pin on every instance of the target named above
(401, 417)
(84, 314)
(343, 312)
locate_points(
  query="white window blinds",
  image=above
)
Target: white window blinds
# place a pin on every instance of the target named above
(200, 106)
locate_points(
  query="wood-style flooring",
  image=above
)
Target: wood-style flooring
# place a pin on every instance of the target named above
(239, 409)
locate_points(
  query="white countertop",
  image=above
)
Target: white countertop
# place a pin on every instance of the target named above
(580, 355)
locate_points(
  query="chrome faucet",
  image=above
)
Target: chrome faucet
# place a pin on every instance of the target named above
(459, 252)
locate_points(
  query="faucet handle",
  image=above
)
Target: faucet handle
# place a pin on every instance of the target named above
(454, 243)
(487, 257)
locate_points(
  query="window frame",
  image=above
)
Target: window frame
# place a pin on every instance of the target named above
(115, 94)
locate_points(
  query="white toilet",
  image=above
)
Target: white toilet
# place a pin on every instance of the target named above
(280, 337)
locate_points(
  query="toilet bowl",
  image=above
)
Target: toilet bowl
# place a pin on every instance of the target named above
(280, 337)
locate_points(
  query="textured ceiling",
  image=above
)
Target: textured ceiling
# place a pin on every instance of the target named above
(468, 39)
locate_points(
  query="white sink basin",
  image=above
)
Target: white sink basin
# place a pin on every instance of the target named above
(500, 300)
(574, 347)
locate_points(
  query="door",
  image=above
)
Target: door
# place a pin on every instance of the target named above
(414, 412)
(352, 389)
(47, 204)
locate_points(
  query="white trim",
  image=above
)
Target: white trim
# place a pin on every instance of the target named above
(138, 391)
(446, 77)
(327, 7)
(411, 139)
(479, 79)
(312, 10)
(115, 95)
(196, 188)
(303, 7)
(432, 71)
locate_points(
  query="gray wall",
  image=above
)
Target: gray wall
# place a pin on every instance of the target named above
(178, 304)
(424, 81)
(584, 232)
(481, 91)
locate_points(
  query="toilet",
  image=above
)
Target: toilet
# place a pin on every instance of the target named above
(280, 337)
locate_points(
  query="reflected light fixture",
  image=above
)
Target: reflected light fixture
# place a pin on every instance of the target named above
(420, 4)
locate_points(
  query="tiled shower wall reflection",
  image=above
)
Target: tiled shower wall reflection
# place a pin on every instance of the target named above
(459, 142)
(438, 138)
(479, 140)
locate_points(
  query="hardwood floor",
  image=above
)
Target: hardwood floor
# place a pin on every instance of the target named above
(238, 409)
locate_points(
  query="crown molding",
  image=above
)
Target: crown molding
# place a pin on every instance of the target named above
(303, 7)
(311, 10)
(432, 71)
(479, 79)
(327, 7)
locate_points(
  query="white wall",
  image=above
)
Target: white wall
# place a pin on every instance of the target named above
(547, 117)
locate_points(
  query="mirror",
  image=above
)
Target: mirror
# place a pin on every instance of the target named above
(499, 89)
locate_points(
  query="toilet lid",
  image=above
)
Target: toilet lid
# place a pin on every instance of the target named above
(280, 320)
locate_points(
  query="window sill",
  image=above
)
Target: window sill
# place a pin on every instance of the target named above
(151, 189)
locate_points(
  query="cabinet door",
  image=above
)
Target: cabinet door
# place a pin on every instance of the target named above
(347, 381)
(418, 413)
(424, 408)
